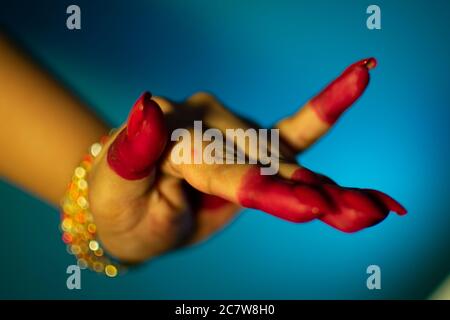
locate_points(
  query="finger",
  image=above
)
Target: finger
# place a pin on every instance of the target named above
(294, 172)
(357, 208)
(319, 114)
(353, 209)
(237, 129)
(216, 114)
(297, 194)
(387, 201)
(244, 185)
(135, 150)
(125, 169)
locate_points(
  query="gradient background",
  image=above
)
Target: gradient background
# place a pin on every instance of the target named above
(263, 59)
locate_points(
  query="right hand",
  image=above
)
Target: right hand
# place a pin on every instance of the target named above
(144, 204)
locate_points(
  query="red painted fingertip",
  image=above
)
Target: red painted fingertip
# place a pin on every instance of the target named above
(290, 201)
(369, 63)
(359, 202)
(138, 147)
(388, 201)
(340, 94)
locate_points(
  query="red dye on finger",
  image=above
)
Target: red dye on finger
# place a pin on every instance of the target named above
(311, 195)
(211, 202)
(356, 209)
(138, 147)
(309, 177)
(340, 94)
(387, 201)
(293, 202)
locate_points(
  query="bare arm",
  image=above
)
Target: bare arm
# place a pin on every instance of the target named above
(45, 130)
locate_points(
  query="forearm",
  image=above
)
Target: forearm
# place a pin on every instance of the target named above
(45, 130)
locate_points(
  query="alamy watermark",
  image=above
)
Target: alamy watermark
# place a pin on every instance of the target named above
(74, 279)
(373, 22)
(238, 146)
(73, 21)
(374, 280)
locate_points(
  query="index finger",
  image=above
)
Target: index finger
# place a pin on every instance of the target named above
(320, 113)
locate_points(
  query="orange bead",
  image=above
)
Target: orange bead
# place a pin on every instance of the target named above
(67, 238)
(92, 228)
(80, 217)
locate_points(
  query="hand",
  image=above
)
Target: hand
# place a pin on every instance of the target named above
(145, 204)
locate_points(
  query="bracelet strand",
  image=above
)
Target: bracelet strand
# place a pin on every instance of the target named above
(77, 223)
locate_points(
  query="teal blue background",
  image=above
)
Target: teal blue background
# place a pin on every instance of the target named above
(263, 58)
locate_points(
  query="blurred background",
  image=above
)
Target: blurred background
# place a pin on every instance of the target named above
(263, 59)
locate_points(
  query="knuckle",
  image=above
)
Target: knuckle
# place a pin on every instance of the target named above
(165, 105)
(202, 97)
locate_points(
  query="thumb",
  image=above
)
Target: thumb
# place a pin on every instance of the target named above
(139, 145)
(126, 166)
(121, 177)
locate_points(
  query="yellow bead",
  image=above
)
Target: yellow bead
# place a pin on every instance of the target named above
(91, 228)
(78, 229)
(84, 248)
(66, 225)
(110, 270)
(86, 237)
(82, 202)
(98, 267)
(74, 193)
(93, 245)
(82, 184)
(80, 172)
(99, 252)
(96, 148)
(75, 249)
(82, 263)
(68, 207)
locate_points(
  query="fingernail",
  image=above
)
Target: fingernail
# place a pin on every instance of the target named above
(369, 63)
(138, 147)
(340, 94)
(388, 201)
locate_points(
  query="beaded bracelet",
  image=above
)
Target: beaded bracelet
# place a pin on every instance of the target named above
(77, 223)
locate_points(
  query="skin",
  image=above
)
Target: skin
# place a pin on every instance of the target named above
(144, 204)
